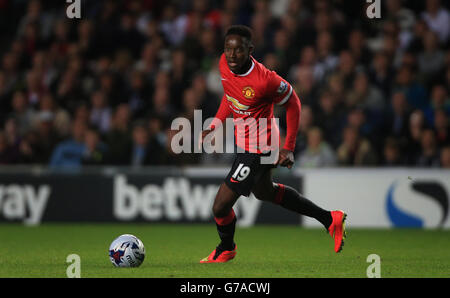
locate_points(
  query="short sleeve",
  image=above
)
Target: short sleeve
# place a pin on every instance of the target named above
(278, 89)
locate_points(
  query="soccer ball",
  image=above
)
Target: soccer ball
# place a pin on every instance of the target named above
(127, 251)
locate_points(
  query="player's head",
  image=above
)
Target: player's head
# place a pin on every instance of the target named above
(238, 47)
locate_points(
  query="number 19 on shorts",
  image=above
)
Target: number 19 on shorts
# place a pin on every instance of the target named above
(241, 172)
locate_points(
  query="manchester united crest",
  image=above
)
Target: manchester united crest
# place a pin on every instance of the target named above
(248, 92)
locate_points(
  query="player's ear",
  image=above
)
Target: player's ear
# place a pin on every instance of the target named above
(250, 48)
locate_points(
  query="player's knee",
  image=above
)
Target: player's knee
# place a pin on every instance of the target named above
(219, 210)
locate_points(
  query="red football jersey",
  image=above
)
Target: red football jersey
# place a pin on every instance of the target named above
(251, 96)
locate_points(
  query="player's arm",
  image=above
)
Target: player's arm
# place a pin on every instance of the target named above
(284, 95)
(293, 108)
(222, 114)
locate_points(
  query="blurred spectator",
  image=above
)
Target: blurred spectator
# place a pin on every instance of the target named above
(191, 102)
(128, 33)
(139, 91)
(100, 115)
(397, 118)
(329, 117)
(94, 150)
(68, 91)
(82, 113)
(428, 156)
(173, 24)
(69, 153)
(209, 47)
(118, 137)
(304, 85)
(442, 128)
(389, 41)
(335, 85)
(439, 101)
(5, 151)
(445, 157)
(358, 48)
(431, 59)
(415, 130)
(437, 18)
(12, 139)
(208, 102)
(59, 39)
(145, 150)
(355, 150)
(34, 13)
(446, 76)
(261, 34)
(60, 117)
(326, 60)
(156, 130)
(357, 118)
(162, 106)
(415, 93)
(86, 41)
(29, 151)
(109, 85)
(381, 73)
(22, 112)
(4, 95)
(35, 87)
(283, 51)
(47, 137)
(392, 153)
(420, 28)
(365, 95)
(148, 62)
(317, 153)
(404, 16)
(10, 68)
(179, 74)
(346, 68)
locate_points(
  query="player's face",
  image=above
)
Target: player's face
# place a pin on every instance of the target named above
(237, 52)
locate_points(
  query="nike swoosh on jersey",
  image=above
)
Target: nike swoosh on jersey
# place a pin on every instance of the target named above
(234, 181)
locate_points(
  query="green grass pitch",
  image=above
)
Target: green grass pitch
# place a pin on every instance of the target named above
(174, 250)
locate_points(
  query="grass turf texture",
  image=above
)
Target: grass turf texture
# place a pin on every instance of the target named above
(263, 251)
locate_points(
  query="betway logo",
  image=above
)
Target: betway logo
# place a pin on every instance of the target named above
(25, 202)
(176, 199)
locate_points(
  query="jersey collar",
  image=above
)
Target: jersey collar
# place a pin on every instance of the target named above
(248, 72)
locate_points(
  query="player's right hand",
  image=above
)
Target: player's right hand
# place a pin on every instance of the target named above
(202, 136)
(285, 158)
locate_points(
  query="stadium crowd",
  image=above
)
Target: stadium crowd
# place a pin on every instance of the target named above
(104, 89)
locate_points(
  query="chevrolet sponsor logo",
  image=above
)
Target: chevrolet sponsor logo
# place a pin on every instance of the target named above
(236, 103)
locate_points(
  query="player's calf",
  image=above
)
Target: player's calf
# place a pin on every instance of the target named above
(289, 198)
(224, 217)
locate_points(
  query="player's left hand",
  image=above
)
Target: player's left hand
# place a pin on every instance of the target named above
(285, 158)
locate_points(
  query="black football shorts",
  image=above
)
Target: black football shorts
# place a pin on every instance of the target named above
(247, 169)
